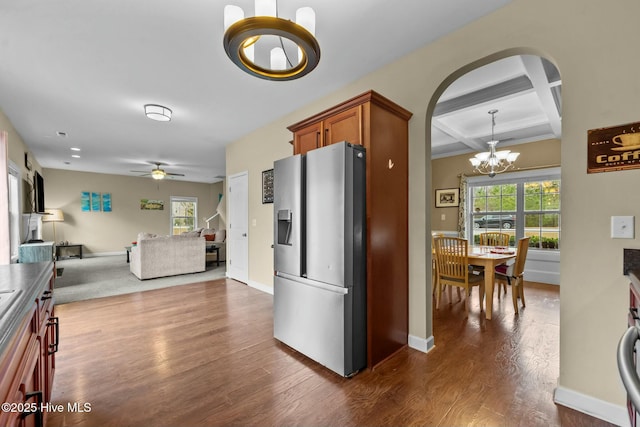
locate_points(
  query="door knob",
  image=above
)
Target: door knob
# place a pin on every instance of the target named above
(244, 234)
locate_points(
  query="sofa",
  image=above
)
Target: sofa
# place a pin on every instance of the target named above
(159, 256)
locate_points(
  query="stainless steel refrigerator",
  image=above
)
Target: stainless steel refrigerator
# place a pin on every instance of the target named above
(320, 256)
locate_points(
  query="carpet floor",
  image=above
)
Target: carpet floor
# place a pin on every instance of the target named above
(104, 276)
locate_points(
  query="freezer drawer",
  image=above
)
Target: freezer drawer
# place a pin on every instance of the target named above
(319, 323)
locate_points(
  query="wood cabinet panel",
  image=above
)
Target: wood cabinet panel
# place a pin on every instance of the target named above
(308, 138)
(381, 126)
(344, 126)
(26, 363)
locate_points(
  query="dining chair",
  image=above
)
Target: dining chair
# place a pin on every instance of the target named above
(514, 274)
(452, 263)
(494, 238)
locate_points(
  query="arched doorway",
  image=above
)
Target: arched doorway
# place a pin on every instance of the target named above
(525, 88)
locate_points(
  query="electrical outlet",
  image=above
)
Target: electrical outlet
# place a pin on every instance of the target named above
(442, 217)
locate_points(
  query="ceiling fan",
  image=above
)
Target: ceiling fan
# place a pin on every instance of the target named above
(157, 172)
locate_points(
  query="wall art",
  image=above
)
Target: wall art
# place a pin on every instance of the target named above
(267, 186)
(613, 148)
(447, 198)
(151, 205)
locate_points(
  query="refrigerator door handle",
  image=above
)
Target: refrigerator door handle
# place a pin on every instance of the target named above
(314, 283)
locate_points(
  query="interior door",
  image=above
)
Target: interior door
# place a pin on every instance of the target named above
(238, 227)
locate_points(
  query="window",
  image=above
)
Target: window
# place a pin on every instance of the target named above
(184, 214)
(14, 210)
(521, 204)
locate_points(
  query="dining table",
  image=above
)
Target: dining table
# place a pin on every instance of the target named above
(489, 257)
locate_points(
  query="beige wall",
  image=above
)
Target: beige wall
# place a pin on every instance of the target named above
(600, 88)
(17, 150)
(445, 174)
(108, 232)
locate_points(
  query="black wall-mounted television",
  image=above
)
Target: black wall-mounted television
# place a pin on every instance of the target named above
(38, 189)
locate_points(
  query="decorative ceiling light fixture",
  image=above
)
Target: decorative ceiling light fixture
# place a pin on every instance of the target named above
(493, 162)
(157, 112)
(252, 43)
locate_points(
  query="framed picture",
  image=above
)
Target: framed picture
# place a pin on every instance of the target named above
(267, 186)
(447, 198)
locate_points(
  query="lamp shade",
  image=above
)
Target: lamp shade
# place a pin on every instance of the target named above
(53, 215)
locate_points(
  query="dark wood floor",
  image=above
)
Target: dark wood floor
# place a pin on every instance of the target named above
(204, 355)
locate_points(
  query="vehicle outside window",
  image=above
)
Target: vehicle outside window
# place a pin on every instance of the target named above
(494, 221)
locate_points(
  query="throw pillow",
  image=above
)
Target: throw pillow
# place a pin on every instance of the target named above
(209, 237)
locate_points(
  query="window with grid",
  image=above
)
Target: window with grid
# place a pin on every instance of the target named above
(518, 204)
(184, 214)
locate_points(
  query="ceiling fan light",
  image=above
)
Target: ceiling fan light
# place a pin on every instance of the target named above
(157, 112)
(158, 174)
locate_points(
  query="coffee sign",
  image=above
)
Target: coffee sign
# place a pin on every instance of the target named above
(615, 148)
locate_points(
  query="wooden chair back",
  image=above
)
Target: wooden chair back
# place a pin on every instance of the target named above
(452, 260)
(521, 257)
(452, 269)
(494, 238)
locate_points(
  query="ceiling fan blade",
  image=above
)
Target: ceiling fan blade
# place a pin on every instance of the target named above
(139, 171)
(174, 174)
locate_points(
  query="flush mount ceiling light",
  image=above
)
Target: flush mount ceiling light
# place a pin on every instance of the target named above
(157, 112)
(493, 162)
(270, 47)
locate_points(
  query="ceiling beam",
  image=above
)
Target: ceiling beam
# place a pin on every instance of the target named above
(471, 143)
(515, 86)
(535, 69)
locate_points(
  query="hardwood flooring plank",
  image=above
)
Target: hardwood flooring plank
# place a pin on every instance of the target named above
(204, 355)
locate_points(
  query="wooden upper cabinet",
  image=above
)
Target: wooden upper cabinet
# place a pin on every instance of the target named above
(344, 126)
(308, 138)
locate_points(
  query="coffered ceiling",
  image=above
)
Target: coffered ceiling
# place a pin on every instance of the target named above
(524, 89)
(77, 73)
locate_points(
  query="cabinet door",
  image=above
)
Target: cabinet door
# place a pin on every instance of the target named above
(344, 126)
(307, 139)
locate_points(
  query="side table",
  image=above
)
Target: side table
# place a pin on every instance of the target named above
(76, 247)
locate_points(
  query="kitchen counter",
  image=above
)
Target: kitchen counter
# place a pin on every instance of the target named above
(20, 287)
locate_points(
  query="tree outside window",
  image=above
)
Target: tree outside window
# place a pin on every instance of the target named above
(184, 214)
(526, 207)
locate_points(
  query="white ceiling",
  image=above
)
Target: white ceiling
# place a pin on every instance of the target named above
(524, 89)
(86, 68)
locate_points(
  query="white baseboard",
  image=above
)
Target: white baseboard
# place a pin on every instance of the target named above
(614, 414)
(538, 276)
(98, 254)
(261, 287)
(421, 344)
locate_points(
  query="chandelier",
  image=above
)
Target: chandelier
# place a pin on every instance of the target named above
(269, 47)
(493, 162)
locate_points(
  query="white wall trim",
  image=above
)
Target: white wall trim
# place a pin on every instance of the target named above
(98, 254)
(614, 414)
(538, 276)
(261, 287)
(421, 344)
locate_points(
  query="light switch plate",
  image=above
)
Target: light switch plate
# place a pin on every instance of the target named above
(622, 227)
